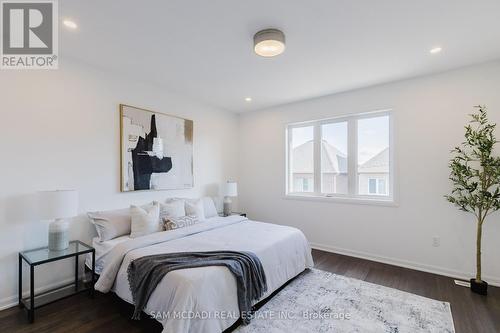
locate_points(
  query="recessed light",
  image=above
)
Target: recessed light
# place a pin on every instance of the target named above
(70, 24)
(248, 99)
(436, 50)
(269, 42)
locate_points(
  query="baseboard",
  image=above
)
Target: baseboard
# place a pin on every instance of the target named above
(494, 281)
(12, 301)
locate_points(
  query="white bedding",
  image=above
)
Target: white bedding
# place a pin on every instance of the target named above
(102, 249)
(187, 294)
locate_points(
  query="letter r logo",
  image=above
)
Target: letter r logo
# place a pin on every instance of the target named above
(27, 27)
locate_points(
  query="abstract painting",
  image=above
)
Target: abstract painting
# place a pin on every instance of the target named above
(156, 150)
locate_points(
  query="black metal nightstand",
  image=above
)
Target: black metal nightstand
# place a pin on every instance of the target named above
(42, 256)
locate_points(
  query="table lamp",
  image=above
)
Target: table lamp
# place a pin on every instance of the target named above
(230, 190)
(58, 206)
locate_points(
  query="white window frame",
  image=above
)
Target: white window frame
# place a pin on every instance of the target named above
(353, 195)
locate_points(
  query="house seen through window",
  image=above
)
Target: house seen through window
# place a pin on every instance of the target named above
(344, 157)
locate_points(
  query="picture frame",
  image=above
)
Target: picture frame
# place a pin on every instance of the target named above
(156, 150)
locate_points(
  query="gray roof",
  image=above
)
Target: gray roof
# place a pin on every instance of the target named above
(335, 161)
(302, 162)
(377, 164)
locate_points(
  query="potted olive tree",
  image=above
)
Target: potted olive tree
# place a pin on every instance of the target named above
(475, 174)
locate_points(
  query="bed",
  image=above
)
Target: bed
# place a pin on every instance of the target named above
(204, 299)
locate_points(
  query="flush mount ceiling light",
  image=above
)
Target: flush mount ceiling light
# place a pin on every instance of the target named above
(436, 50)
(70, 24)
(269, 42)
(248, 99)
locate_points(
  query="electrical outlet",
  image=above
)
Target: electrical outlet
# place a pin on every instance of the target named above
(436, 241)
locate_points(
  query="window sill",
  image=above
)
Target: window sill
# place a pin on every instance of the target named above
(390, 202)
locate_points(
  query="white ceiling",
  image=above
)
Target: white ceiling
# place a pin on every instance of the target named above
(204, 49)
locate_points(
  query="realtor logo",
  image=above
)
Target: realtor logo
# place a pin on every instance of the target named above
(29, 35)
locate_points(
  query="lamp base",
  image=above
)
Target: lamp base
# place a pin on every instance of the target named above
(228, 206)
(58, 235)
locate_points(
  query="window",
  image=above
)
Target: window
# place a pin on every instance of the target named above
(305, 184)
(302, 158)
(372, 186)
(334, 158)
(381, 189)
(373, 155)
(346, 157)
(376, 186)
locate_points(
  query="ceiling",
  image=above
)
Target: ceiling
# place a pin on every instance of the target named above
(204, 49)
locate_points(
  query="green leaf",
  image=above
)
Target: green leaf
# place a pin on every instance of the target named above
(474, 172)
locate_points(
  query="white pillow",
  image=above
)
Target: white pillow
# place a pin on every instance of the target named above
(111, 224)
(145, 220)
(209, 207)
(196, 208)
(173, 208)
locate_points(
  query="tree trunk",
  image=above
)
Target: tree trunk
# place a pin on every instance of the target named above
(478, 250)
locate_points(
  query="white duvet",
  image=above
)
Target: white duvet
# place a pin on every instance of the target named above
(102, 249)
(204, 299)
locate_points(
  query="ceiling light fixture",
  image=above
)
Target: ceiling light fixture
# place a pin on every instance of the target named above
(436, 50)
(269, 42)
(248, 99)
(70, 24)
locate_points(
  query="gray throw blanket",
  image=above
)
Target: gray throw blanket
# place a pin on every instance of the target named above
(145, 273)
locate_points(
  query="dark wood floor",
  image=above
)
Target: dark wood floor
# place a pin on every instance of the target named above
(106, 313)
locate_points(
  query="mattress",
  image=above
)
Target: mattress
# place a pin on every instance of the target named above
(204, 299)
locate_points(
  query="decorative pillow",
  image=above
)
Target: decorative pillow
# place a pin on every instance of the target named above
(144, 220)
(172, 223)
(209, 207)
(195, 208)
(174, 208)
(111, 224)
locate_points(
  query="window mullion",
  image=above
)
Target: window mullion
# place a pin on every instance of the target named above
(352, 156)
(317, 159)
(289, 167)
(391, 188)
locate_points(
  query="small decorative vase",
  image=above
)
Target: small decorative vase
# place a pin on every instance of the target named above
(480, 288)
(58, 235)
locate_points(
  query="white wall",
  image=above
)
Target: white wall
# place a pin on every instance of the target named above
(430, 113)
(60, 129)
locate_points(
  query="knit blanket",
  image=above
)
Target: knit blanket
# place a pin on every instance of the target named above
(146, 272)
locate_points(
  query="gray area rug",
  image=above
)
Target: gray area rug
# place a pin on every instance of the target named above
(318, 301)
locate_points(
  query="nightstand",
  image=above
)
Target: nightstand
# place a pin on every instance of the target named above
(42, 256)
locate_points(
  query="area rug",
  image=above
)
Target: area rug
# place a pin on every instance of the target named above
(318, 301)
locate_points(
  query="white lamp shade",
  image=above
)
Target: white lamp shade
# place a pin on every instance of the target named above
(231, 189)
(57, 204)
